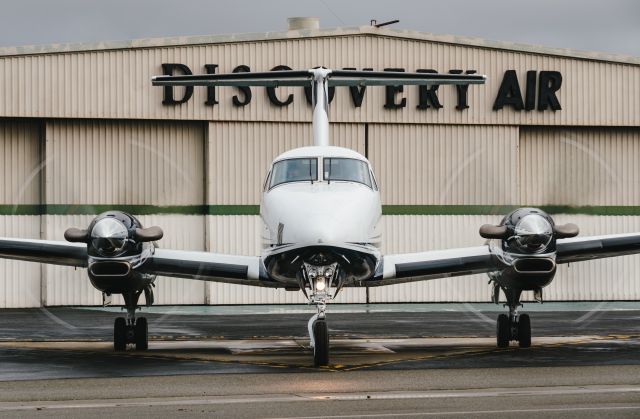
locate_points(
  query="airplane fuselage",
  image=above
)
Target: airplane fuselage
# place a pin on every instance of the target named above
(321, 205)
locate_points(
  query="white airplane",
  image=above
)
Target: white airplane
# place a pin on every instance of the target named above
(321, 211)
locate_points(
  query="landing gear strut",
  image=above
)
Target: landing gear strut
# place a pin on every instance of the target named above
(319, 279)
(131, 330)
(515, 326)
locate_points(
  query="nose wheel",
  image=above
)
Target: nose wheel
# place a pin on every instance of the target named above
(321, 343)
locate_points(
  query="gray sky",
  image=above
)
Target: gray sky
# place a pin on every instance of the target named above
(611, 26)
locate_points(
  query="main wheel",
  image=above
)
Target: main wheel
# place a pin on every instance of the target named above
(120, 334)
(141, 334)
(524, 331)
(503, 331)
(321, 348)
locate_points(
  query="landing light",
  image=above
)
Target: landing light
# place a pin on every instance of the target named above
(320, 284)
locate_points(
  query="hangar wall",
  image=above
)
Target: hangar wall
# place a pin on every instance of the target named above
(114, 83)
(82, 130)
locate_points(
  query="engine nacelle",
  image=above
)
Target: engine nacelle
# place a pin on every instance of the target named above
(116, 245)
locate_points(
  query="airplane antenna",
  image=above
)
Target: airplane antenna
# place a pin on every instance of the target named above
(379, 25)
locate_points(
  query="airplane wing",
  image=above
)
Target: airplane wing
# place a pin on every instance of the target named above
(206, 266)
(596, 247)
(203, 266)
(408, 267)
(44, 251)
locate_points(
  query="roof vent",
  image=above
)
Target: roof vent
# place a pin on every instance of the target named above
(301, 23)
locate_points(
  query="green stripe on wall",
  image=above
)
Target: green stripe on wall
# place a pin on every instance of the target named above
(61, 209)
(504, 209)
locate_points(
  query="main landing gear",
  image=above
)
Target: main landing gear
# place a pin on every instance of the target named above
(515, 326)
(131, 330)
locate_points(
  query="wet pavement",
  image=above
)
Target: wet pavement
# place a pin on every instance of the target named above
(76, 342)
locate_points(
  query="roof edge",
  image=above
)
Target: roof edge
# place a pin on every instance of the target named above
(315, 33)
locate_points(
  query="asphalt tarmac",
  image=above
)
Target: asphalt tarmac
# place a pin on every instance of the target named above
(386, 361)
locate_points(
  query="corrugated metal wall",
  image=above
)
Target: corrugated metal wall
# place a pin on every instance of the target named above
(580, 166)
(19, 185)
(116, 83)
(441, 164)
(124, 162)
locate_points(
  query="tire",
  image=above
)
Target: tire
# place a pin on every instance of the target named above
(321, 348)
(503, 331)
(141, 334)
(524, 331)
(120, 334)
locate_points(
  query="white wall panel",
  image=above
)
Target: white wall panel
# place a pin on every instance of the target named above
(580, 166)
(19, 281)
(241, 235)
(240, 154)
(124, 162)
(445, 164)
(19, 162)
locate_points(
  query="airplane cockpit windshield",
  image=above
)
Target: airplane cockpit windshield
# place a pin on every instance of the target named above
(294, 170)
(350, 170)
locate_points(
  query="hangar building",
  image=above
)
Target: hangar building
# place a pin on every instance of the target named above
(82, 130)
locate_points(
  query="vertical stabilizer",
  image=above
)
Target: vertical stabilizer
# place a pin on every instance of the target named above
(320, 105)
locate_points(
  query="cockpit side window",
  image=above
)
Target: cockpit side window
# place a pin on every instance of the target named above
(266, 181)
(294, 170)
(349, 170)
(375, 184)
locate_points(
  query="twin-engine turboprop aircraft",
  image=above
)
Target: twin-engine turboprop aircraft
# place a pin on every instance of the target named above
(321, 209)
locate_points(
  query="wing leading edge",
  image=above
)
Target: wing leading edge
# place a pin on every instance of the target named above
(205, 266)
(44, 251)
(597, 247)
(408, 267)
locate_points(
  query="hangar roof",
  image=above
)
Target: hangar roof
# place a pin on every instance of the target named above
(317, 33)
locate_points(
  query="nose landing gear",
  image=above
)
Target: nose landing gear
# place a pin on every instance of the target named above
(319, 336)
(319, 279)
(131, 330)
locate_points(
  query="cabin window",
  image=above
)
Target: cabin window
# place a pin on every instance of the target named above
(294, 170)
(349, 170)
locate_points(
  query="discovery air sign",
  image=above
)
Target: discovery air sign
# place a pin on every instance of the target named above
(542, 85)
